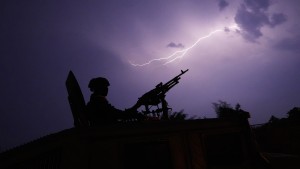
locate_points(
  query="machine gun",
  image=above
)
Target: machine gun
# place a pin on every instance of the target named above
(157, 96)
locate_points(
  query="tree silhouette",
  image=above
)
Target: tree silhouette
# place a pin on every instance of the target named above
(225, 110)
(178, 115)
(294, 113)
(274, 120)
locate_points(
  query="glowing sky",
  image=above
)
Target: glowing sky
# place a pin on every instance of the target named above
(255, 64)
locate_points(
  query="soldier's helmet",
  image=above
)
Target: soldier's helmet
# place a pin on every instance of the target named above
(98, 83)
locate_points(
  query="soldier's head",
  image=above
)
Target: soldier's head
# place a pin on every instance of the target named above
(99, 85)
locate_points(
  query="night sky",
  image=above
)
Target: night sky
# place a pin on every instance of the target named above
(238, 51)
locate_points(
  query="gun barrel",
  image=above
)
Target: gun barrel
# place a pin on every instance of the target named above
(175, 80)
(182, 72)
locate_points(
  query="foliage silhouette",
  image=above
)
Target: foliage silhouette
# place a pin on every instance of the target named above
(294, 113)
(225, 110)
(181, 115)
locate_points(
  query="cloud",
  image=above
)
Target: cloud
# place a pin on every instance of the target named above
(174, 45)
(277, 19)
(257, 5)
(252, 15)
(223, 4)
(250, 22)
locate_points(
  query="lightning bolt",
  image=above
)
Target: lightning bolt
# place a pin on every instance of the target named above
(181, 53)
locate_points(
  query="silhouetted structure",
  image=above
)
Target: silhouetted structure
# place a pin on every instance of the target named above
(195, 144)
(188, 144)
(76, 101)
(281, 135)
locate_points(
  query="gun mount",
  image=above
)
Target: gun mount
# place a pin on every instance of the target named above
(157, 96)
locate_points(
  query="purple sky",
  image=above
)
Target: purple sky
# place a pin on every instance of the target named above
(238, 51)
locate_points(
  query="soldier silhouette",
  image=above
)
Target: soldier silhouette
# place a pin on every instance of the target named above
(100, 111)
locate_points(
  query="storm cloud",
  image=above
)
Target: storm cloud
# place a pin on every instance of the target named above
(277, 19)
(222, 4)
(174, 45)
(252, 15)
